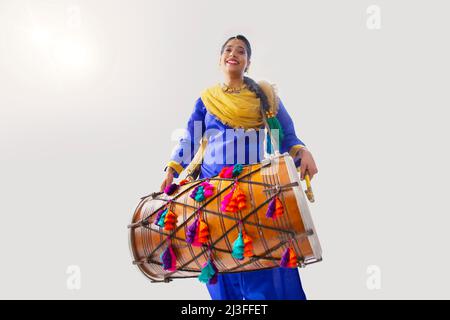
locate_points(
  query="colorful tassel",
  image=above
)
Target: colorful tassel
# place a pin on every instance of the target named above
(227, 205)
(168, 259)
(166, 219)
(231, 171)
(226, 172)
(289, 259)
(197, 233)
(209, 273)
(235, 200)
(183, 182)
(208, 189)
(191, 231)
(170, 189)
(201, 237)
(241, 198)
(238, 247)
(158, 215)
(275, 208)
(237, 169)
(199, 196)
(248, 245)
(170, 221)
(202, 191)
(159, 221)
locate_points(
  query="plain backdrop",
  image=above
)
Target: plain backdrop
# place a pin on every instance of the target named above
(91, 92)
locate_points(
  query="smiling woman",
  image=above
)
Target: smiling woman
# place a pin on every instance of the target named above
(237, 104)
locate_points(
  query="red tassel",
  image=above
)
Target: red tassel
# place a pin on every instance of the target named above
(183, 182)
(226, 172)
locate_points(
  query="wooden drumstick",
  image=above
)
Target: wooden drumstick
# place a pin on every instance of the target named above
(308, 191)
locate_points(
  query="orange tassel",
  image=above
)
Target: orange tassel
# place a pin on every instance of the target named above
(232, 205)
(170, 221)
(292, 258)
(279, 209)
(248, 245)
(240, 197)
(201, 237)
(234, 201)
(183, 182)
(289, 258)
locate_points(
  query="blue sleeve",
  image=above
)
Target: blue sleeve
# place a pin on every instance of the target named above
(290, 140)
(189, 142)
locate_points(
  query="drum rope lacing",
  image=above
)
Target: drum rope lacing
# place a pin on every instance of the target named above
(199, 208)
(278, 189)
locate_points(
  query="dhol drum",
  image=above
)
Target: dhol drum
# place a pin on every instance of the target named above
(248, 218)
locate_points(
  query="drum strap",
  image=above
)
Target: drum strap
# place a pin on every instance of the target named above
(271, 95)
(193, 169)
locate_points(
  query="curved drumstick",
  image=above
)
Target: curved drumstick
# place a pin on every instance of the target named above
(308, 191)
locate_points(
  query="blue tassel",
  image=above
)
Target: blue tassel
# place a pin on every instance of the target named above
(161, 220)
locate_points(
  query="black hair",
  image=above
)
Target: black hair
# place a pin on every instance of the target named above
(249, 82)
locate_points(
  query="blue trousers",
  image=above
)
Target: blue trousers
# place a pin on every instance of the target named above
(271, 284)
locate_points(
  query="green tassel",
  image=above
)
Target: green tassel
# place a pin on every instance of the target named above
(207, 273)
(237, 169)
(274, 124)
(200, 196)
(238, 247)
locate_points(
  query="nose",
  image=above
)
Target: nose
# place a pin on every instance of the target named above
(233, 53)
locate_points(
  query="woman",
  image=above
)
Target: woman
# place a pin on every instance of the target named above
(229, 116)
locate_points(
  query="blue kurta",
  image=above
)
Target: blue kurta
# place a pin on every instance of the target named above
(228, 146)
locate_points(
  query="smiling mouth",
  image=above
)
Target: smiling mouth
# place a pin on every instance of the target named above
(232, 62)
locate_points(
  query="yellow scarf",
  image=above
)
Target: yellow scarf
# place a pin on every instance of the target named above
(237, 110)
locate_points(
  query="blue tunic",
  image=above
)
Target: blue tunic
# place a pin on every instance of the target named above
(227, 146)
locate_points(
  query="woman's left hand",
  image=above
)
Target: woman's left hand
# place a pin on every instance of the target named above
(307, 164)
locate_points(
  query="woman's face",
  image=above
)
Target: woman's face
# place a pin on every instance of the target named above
(234, 58)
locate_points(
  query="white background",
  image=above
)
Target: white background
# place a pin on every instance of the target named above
(91, 91)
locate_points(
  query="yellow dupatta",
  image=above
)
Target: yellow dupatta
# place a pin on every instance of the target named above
(238, 110)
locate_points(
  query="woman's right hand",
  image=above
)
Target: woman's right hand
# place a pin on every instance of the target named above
(168, 179)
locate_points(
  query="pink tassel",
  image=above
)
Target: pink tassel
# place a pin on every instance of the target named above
(174, 259)
(224, 205)
(226, 172)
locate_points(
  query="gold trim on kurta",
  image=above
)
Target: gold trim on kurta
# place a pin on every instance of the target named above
(295, 149)
(175, 166)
